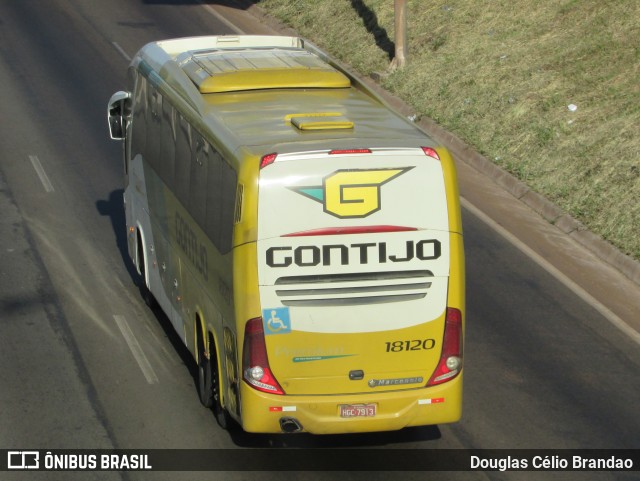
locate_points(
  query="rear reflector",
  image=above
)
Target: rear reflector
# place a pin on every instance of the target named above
(450, 363)
(255, 363)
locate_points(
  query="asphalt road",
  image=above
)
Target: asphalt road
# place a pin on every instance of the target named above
(85, 364)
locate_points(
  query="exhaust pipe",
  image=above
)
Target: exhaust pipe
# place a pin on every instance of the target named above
(290, 425)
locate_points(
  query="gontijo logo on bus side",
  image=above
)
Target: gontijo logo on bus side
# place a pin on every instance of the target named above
(351, 193)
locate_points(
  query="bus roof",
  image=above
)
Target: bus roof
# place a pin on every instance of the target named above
(270, 92)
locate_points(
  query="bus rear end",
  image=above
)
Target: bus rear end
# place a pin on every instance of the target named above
(361, 286)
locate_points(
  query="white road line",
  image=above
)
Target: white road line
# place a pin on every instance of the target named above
(121, 51)
(551, 269)
(136, 350)
(41, 173)
(210, 9)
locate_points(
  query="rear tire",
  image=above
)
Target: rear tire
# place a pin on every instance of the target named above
(221, 414)
(209, 385)
(205, 378)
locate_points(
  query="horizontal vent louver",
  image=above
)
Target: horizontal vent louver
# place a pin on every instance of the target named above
(353, 289)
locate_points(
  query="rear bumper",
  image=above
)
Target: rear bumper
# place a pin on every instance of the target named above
(261, 412)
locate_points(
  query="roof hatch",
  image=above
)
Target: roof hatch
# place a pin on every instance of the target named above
(231, 70)
(319, 121)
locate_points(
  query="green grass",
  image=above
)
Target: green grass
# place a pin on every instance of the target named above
(500, 75)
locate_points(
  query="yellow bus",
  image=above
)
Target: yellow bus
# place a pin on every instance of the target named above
(303, 238)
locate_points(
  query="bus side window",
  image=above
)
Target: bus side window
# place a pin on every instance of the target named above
(154, 131)
(221, 196)
(139, 127)
(182, 166)
(229, 186)
(198, 189)
(132, 80)
(168, 131)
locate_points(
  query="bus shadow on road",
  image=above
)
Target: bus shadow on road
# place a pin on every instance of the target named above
(303, 440)
(113, 208)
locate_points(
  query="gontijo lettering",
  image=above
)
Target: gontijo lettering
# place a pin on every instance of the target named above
(361, 253)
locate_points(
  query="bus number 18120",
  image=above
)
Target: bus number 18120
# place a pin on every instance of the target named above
(410, 345)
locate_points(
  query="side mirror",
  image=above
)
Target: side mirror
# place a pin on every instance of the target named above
(118, 112)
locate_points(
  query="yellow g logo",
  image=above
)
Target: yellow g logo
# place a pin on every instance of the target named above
(351, 193)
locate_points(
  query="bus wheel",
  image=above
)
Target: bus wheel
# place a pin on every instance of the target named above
(147, 296)
(221, 414)
(209, 385)
(205, 378)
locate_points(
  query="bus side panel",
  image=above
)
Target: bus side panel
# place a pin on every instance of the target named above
(145, 200)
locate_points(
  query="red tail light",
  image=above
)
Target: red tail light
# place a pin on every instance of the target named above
(255, 363)
(267, 160)
(450, 363)
(431, 152)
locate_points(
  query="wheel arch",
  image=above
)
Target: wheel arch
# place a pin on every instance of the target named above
(142, 246)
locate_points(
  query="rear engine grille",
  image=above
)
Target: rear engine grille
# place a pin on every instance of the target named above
(353, 289)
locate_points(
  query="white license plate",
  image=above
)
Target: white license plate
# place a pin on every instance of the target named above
(357, 410)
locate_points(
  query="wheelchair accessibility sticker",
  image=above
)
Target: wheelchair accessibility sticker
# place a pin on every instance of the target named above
(276, 320)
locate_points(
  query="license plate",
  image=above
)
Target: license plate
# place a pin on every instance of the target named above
(357, 410)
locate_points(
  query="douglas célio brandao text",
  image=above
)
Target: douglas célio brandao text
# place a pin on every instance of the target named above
(551, 462)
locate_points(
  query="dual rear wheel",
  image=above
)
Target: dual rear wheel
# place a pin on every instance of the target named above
(209, 383)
